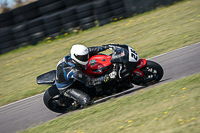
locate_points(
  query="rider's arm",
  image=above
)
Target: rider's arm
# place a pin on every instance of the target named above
(97, 49)
(87, 80)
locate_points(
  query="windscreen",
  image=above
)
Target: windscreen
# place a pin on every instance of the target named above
(120, 55)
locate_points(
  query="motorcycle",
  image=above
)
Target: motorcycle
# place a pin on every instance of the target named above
(130, 70)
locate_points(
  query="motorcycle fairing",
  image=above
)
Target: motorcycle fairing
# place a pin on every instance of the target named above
(127, 53)
(47, 78)
(140, 64)
(98, 64)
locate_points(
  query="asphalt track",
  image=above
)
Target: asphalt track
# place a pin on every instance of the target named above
(31, 111)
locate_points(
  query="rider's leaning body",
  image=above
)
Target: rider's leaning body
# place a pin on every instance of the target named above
(69, 70)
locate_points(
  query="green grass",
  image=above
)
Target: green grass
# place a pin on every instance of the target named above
(169, 108)
(150, 34)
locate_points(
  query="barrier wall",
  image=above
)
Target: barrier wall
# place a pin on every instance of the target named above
(29, 24)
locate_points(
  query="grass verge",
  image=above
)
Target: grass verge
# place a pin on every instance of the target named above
(171, 107)
(150, 34)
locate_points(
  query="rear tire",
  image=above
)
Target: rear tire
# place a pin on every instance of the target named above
(153, 72)
(55, 102)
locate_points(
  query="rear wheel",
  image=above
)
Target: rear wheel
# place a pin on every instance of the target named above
(58, 103)
(153, 72)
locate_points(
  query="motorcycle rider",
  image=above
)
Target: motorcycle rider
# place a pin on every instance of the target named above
(69, 69)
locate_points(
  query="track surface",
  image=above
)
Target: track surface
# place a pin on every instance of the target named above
(30, 112)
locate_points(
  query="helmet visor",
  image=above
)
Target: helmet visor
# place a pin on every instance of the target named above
(82, 57)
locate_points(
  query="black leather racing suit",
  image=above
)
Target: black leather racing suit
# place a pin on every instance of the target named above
(68, 71)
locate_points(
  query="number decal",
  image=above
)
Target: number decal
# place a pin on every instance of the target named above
(133, 56)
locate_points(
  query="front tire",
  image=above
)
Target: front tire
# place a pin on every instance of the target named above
(153, 72)
(56, 102)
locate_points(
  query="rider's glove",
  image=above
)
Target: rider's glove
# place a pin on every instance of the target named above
(110, 76)
(111, 47)
(113, 74)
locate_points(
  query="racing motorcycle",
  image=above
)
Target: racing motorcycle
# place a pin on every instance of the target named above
(130, 70)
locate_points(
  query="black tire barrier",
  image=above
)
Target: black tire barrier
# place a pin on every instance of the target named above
(26, 12)
(69, 19)
(52, 8)
(69, 25)
(5, 31)
(32, 14)
(104, 21)
(6, 38)
(114, 1)
(7, 44)
(25, 8)
(87, 20)
(35, 22)
(119, 11)
(6, 16)
(117, 5)
(51, 18)
(67, 12)
(100, 3)
(70, 3)
(45, 2)
(51, 25)
(6, 23)
(102, 9)
(85, 14)
(22, 40)
(54, 30)
(19, 19)
(20, 34)
(6, 50)
(104, 15)
(22, 45)
(84, 7)
(6, 19)
(36, 29)
(19, 27)
(36, 37)
(88, 25)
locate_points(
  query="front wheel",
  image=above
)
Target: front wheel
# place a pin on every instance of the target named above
(56, 102)
(153, 72)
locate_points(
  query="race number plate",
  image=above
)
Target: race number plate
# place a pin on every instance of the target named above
(133, 56)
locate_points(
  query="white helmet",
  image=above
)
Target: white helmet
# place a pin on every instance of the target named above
(79, 53)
